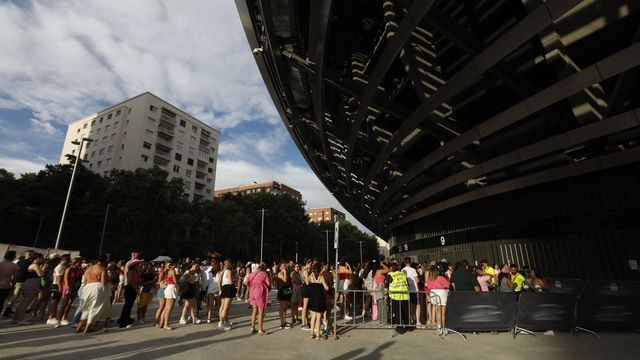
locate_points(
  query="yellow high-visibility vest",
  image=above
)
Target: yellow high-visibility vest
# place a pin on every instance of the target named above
(399, 287)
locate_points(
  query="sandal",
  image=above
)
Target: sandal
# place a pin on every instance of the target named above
(167, 328)
(262, 332)
(253, 331)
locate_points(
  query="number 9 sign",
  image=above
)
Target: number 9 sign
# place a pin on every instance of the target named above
(442, 241)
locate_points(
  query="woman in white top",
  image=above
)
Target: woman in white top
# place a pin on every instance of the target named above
(213, 299)
(226, 291)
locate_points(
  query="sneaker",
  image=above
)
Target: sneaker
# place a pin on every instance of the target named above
(129, 326)
(219, 324)
(208, 321)
(197, 321)
(64, 322)
(347, 317)
(141, 322)
(182, 321)
(52, 321)
(226, 328)
(305, 327)
(300, 308)
(285, 326)
(549, 333)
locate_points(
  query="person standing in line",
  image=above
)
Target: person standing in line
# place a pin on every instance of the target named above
(170, 294)
(147, 281)
(412, 279)
(30, 289)
(399, 295)
(71, 285)
(94, 296)
(227, 292)
(56, 288)
(8, 272)
(284, 294)
(213, 299)
(462, 279)
(517, 279)
(344, 280)
(41, 303)
(258, 283)
(161, 284)
(317, 287)
(132, 283)
(379, 305)
(189, 290)
(23, 264)
(437, 286)
(305, 294)
(296, 294)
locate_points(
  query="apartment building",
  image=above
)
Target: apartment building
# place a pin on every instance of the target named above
(328, 214)
(143, 132)
(272, 187)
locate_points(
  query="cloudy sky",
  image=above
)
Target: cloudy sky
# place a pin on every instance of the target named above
(62, 60)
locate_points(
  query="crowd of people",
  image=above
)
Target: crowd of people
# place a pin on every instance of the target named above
(35, 288)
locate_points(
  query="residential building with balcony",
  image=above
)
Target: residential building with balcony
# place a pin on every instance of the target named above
(146, 131)
(272, 187)
(327, 214)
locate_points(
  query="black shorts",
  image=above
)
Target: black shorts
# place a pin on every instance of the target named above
(190, 292)
(413, 298)
(228, 291)
(282, 296)
(55, 295)
(304, 290)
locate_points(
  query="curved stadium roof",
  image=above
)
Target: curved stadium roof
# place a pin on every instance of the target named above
(407, 108)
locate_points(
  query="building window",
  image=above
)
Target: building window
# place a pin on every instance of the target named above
(86, 156)
(93, 153)
(146, 145)
(153, 108)
(118, 113)
(109, 161)
(183, 123)
(99, 163)
(78, 130)
(209, 181)
(190, 162)
(151, 121)
(210, 171)
(102, 118)
(208, 191)
(84, 126)
(193, 138)
(122, 147)
(178, 157)
(176, 169)
(145, 158)
(93, 122)
(101, 152)
(179, 145)
(129, 113)
(194, 129)
(106, 128)
(189, 173)
(104, 139)
(210, 159)
(88, 144)
(149, 132)
(91, 166)
(115, 124)
(192, 150)
(109, 116)
(110, 149)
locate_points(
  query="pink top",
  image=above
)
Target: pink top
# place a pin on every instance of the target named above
(483, 281)
(259, 291)
(440, 283)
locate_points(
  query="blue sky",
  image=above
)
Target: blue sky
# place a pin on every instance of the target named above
(62, 60)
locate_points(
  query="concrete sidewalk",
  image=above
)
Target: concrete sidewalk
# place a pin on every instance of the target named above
(206, 341)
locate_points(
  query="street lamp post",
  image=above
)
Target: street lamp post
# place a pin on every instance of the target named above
(73, 175)
(296, 252)
(262, 232)
(326, 232)
(360, 251)
(104, 228)
(35, 241)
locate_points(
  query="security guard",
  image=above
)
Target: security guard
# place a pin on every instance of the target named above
(399, 295)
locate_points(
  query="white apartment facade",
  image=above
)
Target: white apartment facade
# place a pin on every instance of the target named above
(146, 131)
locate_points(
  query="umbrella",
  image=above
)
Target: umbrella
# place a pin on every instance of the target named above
(161, 258)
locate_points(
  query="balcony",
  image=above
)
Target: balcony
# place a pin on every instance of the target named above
(166, 155)
(161, 166)
(164, 143)
(167, 132)
(204, 156)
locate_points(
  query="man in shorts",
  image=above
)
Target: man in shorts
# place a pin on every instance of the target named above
(8, 272)
(147, 281)
(56, 287)
(412, 279)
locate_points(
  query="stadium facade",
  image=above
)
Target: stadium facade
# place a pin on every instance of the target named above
(506, 130)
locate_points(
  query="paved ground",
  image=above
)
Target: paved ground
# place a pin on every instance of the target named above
(205, 341)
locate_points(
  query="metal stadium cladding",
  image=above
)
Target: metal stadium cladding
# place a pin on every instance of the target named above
(506, 130)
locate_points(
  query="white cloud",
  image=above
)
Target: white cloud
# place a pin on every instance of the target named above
(70, 58)
(237, 172)
(265, 145)
(21, 166)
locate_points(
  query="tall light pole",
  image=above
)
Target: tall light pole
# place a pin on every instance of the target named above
(360, 251)
(104, 228)
(35, 241)
(73, 175)
(296, 252)
(326, 232)
(262, 232)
